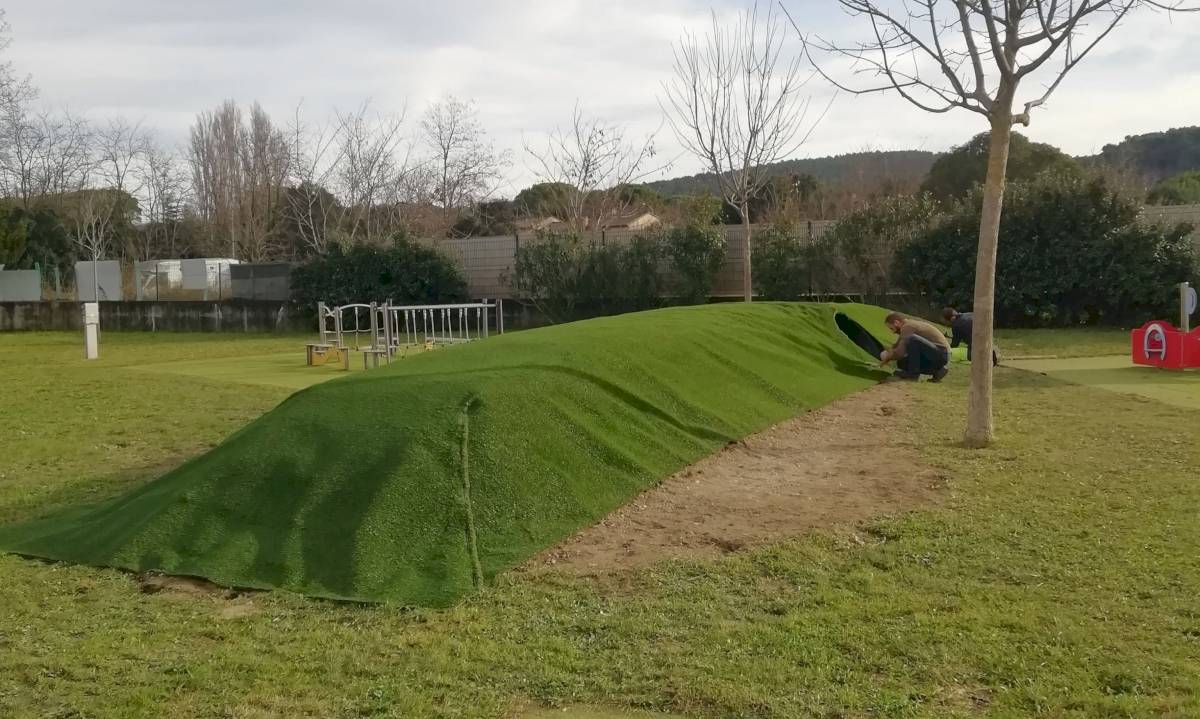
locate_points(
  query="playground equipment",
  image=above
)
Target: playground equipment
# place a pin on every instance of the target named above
(1159, 344)
(380, 331)
(319, 355)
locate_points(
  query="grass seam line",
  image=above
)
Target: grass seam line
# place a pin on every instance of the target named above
(472, 538)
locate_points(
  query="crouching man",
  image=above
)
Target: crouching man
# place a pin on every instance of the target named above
(962, 324)
(920, 349)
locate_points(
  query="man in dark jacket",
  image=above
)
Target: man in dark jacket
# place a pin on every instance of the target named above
(961, 325)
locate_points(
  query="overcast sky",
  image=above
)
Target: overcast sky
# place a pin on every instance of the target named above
(525, 63)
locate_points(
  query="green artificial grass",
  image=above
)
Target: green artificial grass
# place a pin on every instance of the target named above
(1119, 374)
(415, 483)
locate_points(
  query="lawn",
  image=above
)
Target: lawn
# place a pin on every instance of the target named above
(1058, 579)
(1072, 342)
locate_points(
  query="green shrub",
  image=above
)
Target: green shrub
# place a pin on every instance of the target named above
(783, 264)
(696, 253)
(1182, 189)
(568, 277)
(405, 272)
(858, 253)
(1071, 252)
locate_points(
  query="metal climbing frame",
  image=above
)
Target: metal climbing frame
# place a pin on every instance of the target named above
(442, 324)
(391, 327)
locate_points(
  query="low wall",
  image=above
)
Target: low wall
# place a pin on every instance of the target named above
(228, 316)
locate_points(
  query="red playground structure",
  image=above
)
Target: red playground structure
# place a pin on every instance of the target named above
(1160, 344)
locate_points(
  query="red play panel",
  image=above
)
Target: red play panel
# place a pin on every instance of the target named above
(1160, 344)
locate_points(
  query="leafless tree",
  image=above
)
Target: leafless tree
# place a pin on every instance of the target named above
(164, 183)
(735, 104)
(93, 217)
(310, 206)
(64, 159)
(372, 159)
(943, 55)
(239, 167)
(467, 167)
(266, 162)
(120, 148)
(597, 161)
(19, 138)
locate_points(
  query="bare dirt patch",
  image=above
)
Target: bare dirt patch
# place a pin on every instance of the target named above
(838, 465)
(155, 583)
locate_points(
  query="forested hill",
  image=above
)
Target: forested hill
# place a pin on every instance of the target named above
(1152, 157)
(901, 166)
(1155, 155)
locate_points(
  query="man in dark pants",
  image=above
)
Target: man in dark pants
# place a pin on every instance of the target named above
(961, 325)
(920, 349)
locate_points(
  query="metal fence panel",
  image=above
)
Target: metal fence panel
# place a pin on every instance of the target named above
(103, 276)
(261, 281)
(20, 286)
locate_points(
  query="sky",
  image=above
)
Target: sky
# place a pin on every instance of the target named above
(526, 64)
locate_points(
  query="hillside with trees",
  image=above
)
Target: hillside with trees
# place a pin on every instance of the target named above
(897, 167)
(1154, 156)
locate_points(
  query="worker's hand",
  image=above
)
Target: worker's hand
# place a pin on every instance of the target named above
(885, 357)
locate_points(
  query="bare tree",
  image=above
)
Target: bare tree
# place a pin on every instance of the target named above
(239, 168)
(310, 207)
(266, 162)
(19, 138)
(370, 165)
(65, 156)
(596, 160)
(735, 104)
(120, 147)
(93, 216)
(943, 55)
(164, 186)
(467, 167)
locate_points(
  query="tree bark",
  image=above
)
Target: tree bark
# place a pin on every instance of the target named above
(747, 277)
(979, 404)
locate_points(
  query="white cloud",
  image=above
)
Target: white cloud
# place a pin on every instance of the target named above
(524, 63)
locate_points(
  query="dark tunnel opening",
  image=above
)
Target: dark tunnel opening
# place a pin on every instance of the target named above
(859, 335)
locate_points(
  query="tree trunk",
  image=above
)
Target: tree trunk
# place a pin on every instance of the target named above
(747, 277)
(979, 403)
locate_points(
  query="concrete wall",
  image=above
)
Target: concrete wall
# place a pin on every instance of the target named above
(157, 316)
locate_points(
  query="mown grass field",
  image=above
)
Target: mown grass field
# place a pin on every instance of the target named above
(1062, 343)
(1058, 579)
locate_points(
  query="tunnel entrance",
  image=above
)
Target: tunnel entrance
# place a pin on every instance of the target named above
(859, 335)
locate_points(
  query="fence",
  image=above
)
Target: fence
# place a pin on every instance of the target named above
(178, 316)
(184, 280)
(98, 281)
(266, 281)
(20, 285)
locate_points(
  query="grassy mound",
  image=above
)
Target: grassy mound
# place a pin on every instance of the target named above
(417, 482)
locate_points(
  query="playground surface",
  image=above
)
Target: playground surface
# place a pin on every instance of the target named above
(1116, 373)
(1057, 577)
(279, 369)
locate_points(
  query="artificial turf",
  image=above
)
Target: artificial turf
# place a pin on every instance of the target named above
(1119, 374)
(415, 483)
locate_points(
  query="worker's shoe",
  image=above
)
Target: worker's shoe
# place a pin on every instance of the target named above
(939, 374)
(906, 376)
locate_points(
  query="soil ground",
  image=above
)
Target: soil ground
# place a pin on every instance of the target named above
(835, 466)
